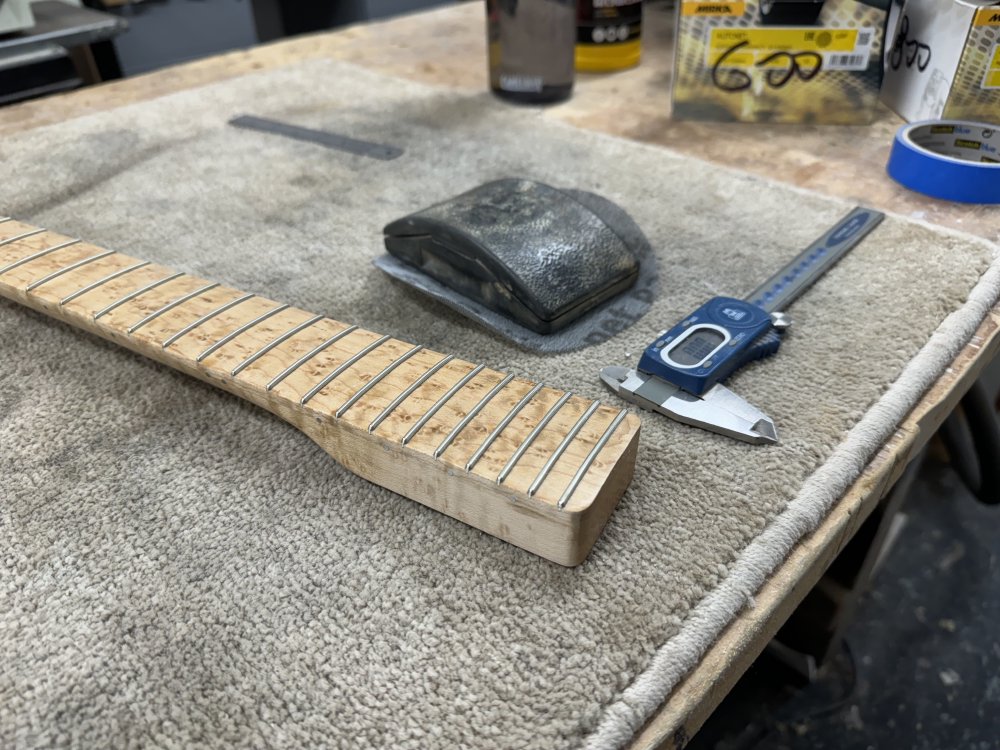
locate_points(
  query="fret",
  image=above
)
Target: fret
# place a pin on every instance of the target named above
(450, 438)
(100, 282)
(22, 236)
(509, 467)
(239, 331)
(557, 453)
(66, 269)
(33, 256)
(309, 355)
(277, 342)
(549, 443)
(394, 404)
(539, 473)
(342, 369)
(441, 402)
(207, 317)
(589, 460)
(170, 306)
(137, 293)
(4, 218)
(504, 423)
(376, 380)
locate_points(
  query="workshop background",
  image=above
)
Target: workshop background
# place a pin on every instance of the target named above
(922, 655)
(76, 42)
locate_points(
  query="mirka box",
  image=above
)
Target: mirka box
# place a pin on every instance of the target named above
(945, 61)
(814, 61)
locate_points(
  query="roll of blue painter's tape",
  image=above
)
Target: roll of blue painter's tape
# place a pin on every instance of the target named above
(949, 159)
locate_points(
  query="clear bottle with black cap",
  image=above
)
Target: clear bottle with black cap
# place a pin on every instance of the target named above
(531, 47)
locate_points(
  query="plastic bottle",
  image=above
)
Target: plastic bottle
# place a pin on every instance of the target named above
(608, 35)
(531, 48)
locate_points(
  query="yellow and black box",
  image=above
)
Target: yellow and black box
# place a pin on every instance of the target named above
(811, 61)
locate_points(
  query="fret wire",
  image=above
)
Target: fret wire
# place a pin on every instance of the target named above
(22, 236)
(71, 267)
(5, 218)
(34, 256)
(439, 403)
(471, 415)
(408, 392)
(376, 380)
(591, 457)
(241, 330)
(277, 342)
(570, 436)
(523, 448)
(342, 369)
(105, 280)
(137, 293)
(207, 317)
(170, 306)
(306, 357)
(502, 426)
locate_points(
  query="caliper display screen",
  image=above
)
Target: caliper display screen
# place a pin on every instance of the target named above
(696, 347)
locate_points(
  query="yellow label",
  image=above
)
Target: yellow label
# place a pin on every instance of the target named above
(988, 17)
(992, 78)
(972, 145)
(745, 48)
(735, 59)
(690, 8)
(785, 40)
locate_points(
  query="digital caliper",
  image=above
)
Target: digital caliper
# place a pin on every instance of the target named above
(680, 373)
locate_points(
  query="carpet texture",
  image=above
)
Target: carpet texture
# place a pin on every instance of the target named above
(181, 569)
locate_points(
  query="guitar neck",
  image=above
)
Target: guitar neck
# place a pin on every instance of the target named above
(532, 465)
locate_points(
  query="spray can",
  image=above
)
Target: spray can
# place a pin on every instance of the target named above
(608, 35)
(531, 49)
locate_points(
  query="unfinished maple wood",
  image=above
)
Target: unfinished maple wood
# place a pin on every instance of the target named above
(415, 421)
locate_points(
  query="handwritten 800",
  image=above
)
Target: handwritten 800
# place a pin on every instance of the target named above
(909, 51)
(803, 65)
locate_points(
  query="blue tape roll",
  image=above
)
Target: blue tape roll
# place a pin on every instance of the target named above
(949, 159)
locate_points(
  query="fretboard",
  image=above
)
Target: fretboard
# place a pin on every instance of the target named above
(536, 466)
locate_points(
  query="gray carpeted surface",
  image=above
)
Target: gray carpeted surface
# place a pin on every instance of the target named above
(179, 568)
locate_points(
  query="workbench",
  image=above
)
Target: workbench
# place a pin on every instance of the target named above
(447, 47)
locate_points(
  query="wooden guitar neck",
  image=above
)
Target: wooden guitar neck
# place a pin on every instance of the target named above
(532, 465)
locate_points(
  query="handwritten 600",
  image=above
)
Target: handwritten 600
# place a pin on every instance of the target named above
(804, 65)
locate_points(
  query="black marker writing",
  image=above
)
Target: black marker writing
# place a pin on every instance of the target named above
(804, 65)
(909, 50)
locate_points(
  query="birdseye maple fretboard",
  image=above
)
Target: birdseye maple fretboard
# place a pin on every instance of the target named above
(530, 464)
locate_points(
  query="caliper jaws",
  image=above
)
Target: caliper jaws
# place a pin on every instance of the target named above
(718, 409)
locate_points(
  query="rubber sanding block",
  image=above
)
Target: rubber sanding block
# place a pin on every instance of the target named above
(521, 248)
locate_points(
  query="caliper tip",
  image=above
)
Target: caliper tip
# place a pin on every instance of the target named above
(613, 377)
(765, 432)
